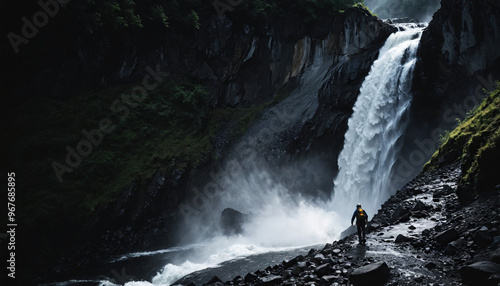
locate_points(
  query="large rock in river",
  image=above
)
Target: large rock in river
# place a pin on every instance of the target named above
(231, 221)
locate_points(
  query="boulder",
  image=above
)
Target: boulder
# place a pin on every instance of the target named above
(212, 281)
(447, 236)
(465, 193)
(401, 238)
(482, 237)
(231, 221)
(318, 258)
(430, 265)
(494, 279)
(270, 280)
(323, 270)
(290, 263)
(297, 269)
(479, 272)
(445, 190)
(327, 280)
(250, 277)
(420, 206)
(399, 213)
(450, 249)
(372, 274)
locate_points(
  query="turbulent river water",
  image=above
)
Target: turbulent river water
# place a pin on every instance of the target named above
(287, 226)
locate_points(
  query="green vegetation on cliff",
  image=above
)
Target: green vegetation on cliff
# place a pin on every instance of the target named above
(112, 17)
(475, 142)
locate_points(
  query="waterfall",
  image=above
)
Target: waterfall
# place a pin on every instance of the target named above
(378, 121)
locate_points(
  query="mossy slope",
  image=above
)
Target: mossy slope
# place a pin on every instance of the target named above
(475, 142)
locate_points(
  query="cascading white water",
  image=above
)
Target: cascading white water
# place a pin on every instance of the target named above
(370, 146)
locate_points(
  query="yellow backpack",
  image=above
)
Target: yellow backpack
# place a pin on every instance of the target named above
(361, 214)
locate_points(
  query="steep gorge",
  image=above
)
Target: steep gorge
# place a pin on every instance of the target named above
(247, 65)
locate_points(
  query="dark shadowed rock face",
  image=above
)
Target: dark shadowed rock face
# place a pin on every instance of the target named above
(460, 42)
(458, 57)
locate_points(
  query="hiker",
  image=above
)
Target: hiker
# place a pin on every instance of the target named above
(361, 221)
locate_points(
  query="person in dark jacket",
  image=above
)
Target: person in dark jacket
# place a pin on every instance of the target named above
(361, 221)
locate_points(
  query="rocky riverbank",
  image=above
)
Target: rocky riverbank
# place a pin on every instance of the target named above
(422, 235)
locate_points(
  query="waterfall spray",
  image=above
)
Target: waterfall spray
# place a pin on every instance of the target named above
(377, 123)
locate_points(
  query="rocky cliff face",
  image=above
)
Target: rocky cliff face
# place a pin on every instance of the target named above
(458, 58)
(459, 53)
(321, 67)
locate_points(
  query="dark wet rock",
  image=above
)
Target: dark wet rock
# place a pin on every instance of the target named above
(372, 227)
(482, 237)
(323, 270)
(238, 279)
(447, 236)
(494, 280)
(312, 252)
(270, 280)
(420, 206)
(455, 246)
(418, 243)
(426, 232)
(231, 221)
(419, 279)
(372, 274)
(213, 281)
(290, 263)
(430, 265)
(297, 269)
(327, 279)
(399, 213)
(495, 256)
(465, 193)
(401, 238)
(250, 277)
(318, 258)
(450, 249)
(479, 272)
